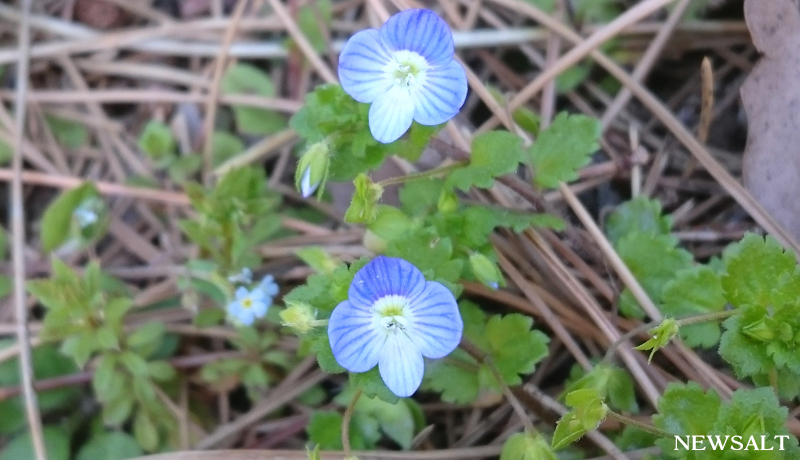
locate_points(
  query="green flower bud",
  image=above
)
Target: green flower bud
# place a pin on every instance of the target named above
(448, 202)
(299, 316)
(312, 170)
(662, 334)
(485, 270)
(759, 330)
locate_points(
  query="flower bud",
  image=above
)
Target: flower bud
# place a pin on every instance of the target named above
(485, 270)
(448, 202)
(299, 316)
(312, 170)
(759, 330)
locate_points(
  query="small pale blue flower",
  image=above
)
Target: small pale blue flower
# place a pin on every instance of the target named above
(248, 305)
(392, 318)
(406, 70)
(269, 287)
(243, 277)
(85, 217)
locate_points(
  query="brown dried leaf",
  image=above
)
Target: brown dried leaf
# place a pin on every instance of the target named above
(771, 97)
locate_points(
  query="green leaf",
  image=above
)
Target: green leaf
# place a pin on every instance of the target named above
(117, 411)
(56, 443)
(363, 207)
(506, 336)
(612, 384)
(394, 419)
(420, 195)
(57, 219)
(695, 291)
(145, 431)
(753, 266)
(372, 386)
(653, 260)
(687, 409)
(317, 258)
(588, 411)
(641, 215)
(110, 446)
(158, 143)
(526, 446)
(325, 428)
(493, 154)
(455, 377)
(563, 148)
(225, 146)
(69, 133)
(247, 79)
(184, 167)
(147, 335)
(161, 371)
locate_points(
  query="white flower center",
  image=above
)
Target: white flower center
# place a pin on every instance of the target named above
(407, 69)
(391, 313)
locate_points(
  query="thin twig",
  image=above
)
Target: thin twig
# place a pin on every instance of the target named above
(211, 104)
(18, 242)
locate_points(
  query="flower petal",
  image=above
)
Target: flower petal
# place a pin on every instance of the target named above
(435, 325)
(257, 295)
(269, 286)
(354, 337)
(362, 66)
(241, 293)
(384, 276)
(246, 316)
(391, 114)
(401, 365)
(441, 95)
(422, 32)
(259, 309)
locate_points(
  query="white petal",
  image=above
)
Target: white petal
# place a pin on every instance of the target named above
(435, 325)
(391, 114)
(440, 96)
(305, 184)
(401, 365)
(362, 65)
(355, 341)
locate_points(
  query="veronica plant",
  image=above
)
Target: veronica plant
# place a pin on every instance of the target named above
(406, 71)
(392, 318)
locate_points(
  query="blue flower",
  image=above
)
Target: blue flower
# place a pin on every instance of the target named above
(249, 305)
(392, 318)
(406, 70)
(269, 287)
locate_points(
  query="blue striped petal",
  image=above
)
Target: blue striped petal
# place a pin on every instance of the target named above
(421, 31)
(441, 95)
(384, 276)
(435, 324)
(391, 114)
(354, 338)
(362, 66)
(401, 365)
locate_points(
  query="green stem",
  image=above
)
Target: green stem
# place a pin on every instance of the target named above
(515, 404)
(642, 426)
(707, 317)
(716, 316)
(348, 413)
(423, 174)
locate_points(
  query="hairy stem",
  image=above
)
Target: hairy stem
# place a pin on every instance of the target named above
(348, 413)
(423, 174)
(642, 426)
(716, 316)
